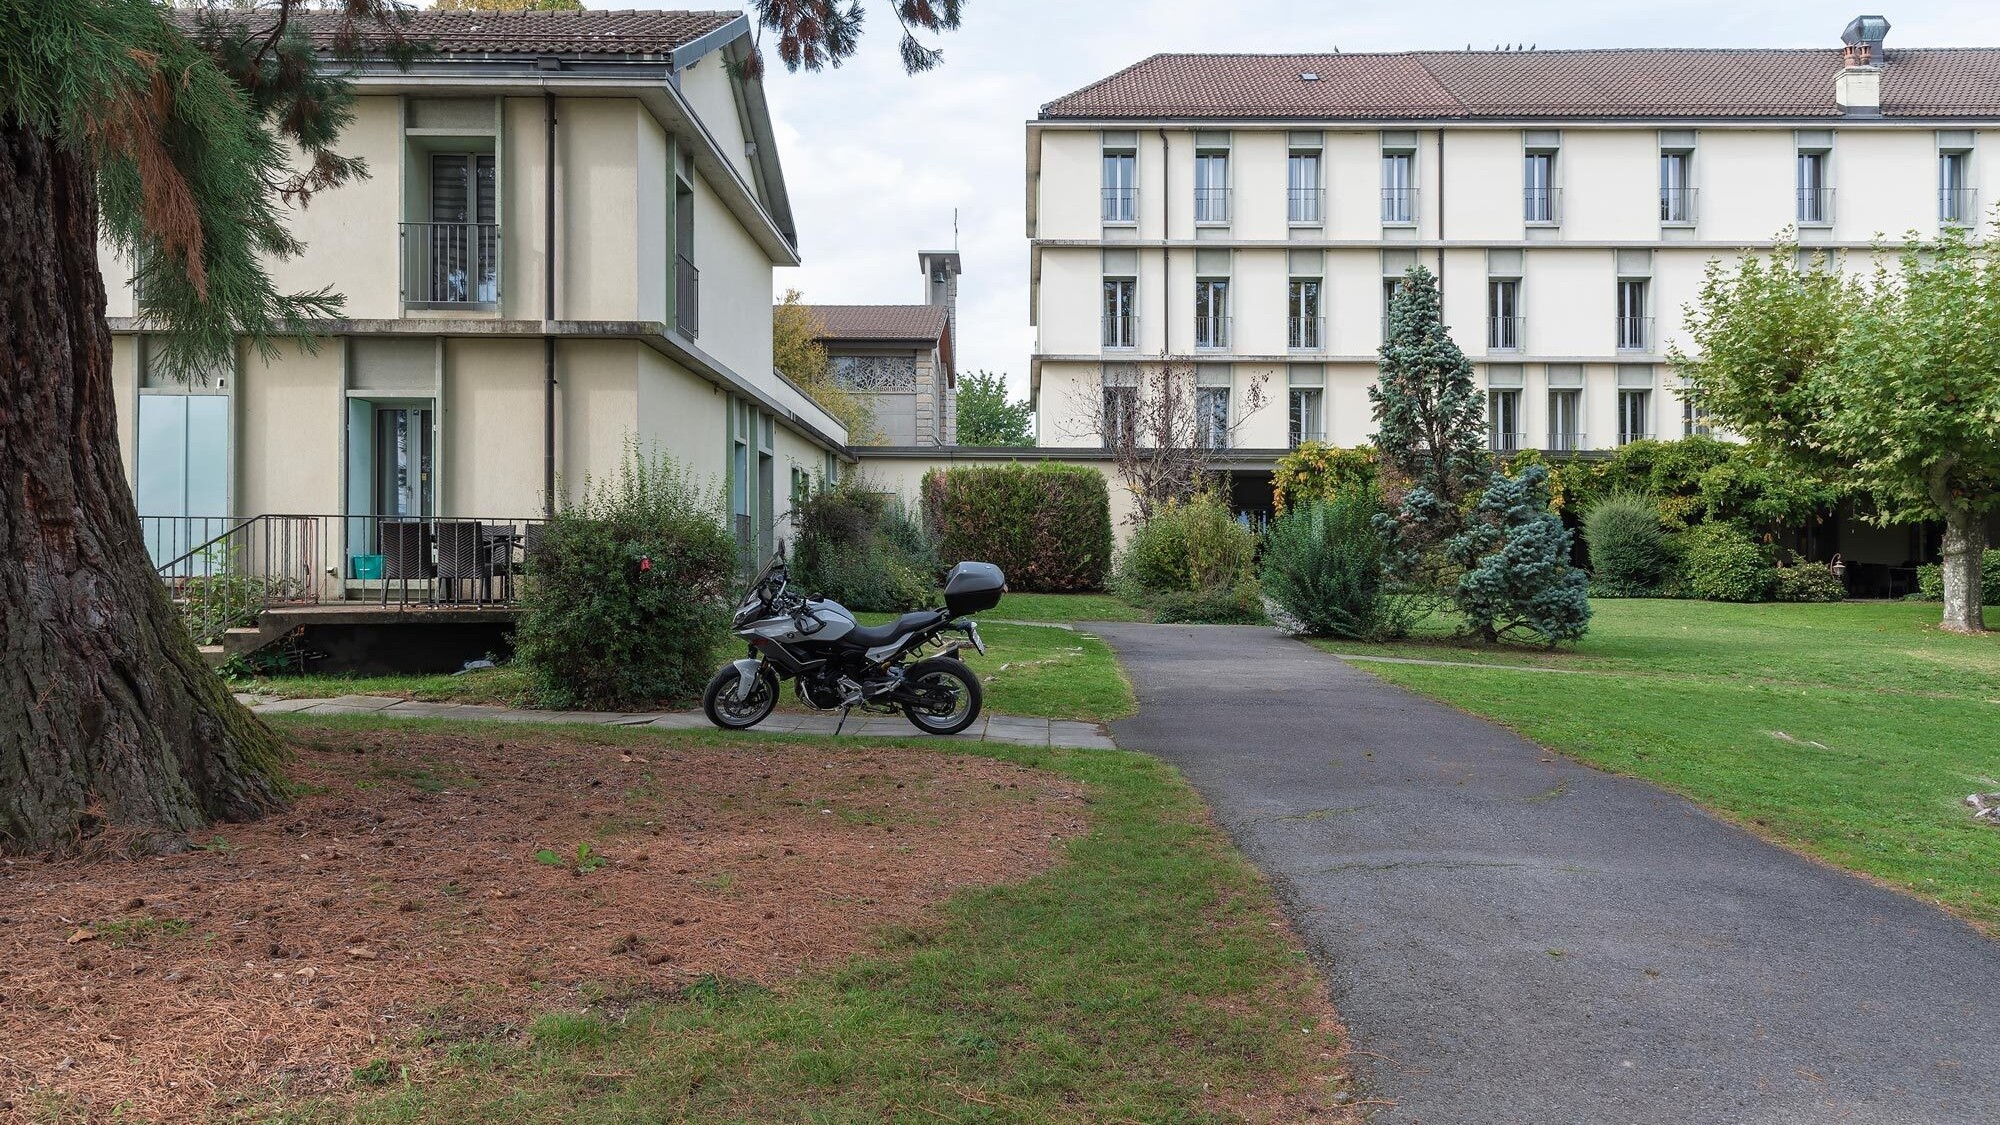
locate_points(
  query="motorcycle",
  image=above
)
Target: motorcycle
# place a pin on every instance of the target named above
(838, 664)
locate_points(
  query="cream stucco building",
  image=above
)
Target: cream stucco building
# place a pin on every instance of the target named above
(1244, 214)
(565, 243)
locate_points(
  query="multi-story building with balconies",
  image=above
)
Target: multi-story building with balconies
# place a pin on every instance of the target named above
(1249, 216)
(564, 244)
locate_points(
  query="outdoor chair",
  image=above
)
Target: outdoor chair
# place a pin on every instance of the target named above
(460, 557)
(406, 554)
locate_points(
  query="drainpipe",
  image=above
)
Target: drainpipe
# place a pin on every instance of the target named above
(1166, 253)
(549, 310)
(1440, 254)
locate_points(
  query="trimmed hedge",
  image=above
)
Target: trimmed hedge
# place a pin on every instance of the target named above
(1048, 527)
(1720, 562)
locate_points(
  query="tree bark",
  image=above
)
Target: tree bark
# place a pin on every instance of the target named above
(1964, 544)
(108, 717)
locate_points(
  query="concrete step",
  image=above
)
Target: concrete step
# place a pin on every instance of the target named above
(214, 655)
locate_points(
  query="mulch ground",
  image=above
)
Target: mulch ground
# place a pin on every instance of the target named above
(439, 877)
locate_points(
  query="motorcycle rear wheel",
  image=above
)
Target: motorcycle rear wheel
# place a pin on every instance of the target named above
(719, 702)
(943, 673)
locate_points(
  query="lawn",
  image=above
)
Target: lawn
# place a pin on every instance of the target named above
(761, 929)
(1851, 732)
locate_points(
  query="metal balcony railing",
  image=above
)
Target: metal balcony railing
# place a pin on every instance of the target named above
(1301, 436)
(1121, 205)
(1305, 205)
(1815, 206)
(1627, 437)
(1306, 334)
(1211, 332)
(451, 265)
(1542, 205)
(1211, 205)
(1399, 206)
(1635, 333)
(1566, 441)
(1957, 206)
(1505, 333)
(1499, 441)
(1677, 205)
(687, 297)
(1121, 331)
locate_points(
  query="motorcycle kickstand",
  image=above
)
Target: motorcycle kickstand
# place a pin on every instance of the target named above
(843, 719)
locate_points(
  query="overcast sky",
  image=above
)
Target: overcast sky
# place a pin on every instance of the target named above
(876, 160)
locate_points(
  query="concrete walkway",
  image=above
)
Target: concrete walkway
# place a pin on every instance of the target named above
(1513, 937)
(1014, 729)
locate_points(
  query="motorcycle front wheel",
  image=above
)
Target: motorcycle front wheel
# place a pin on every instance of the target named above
(719, 702)
(951, 693)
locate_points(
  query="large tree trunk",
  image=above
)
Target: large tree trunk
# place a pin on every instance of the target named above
(108, 717)
(1964, 544)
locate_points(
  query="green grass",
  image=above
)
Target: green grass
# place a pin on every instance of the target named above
(1140, 979)
(1851, 732)
(484, 685)
(1064, 608)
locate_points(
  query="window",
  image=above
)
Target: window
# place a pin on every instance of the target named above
(1503, 314)
(1565, 420)
(1694, 420)
(1121, 405)
(1211, 411)
(1211, 187)
(1634, 327)
(1503, 420)
(1120, 321)
(1307, 327)
(876, 372)
(1121, 192)
(1399, 187)
(1539, 188)
(1677, 187)
(1305, 416)
(1302, 192)
(1815, 197)
(1954, 197)
(801, 485)
(454, 258)
(1635, 411)
(1389, 287)
(1211, 312)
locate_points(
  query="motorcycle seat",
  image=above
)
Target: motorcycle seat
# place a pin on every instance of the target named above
(873, 636)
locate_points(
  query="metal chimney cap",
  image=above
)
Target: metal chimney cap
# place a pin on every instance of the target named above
(1865, 29)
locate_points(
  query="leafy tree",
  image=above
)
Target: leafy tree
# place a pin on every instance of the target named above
(179, 144)
(1892, 381)
(509, 5)
(1514, 554)
(986, 417)
(797, 352)
(814, 34)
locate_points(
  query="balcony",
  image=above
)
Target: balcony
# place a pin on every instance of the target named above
(1542, 206)
(451, 265)
(1305, 206)
(1211, 205)
(1677, 206)
(687, 297)
(1815, 207)
(1498, 441)
(1627, 437)
(1121, 331)
(1306, 334)
(1399, 207)
(1211, 333)
(1505, 333)
(1635, 333)
(1121, 205)
(1957, 207)
(1301, 436)
(1566, 441)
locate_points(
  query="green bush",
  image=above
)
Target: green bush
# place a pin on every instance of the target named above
(1047, 527)
(1930, 580)
(1514, 556)
(1806, 582)
(1315, 471)
(1629, 557)
(596, 630)
(1240, 604)
(859, 546)
(1720, 562)
(1322, 564)
(1192, 562)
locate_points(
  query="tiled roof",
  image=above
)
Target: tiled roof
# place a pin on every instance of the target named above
(1652, 84)
(551, 33)
(880, 322)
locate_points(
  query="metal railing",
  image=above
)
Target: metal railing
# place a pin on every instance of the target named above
(1635, 333)
(1498, 441)
(1211, 332)
(1301, 436)
(687, 297)
(1566, 441)
(1121, 331)
(1505, 333)
(1121, 205)
(1677, 205)
(1542, 205)
(1627, 437)
(1399, 206)
(1305, 205)
(1306, 333)
(1815, 206)
(1211, 205)
(224, 571)
(451, 264)
(1957, 205)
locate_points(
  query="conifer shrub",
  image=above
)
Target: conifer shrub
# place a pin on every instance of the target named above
(1516, 577)
(1322, 564)
(1629, 553)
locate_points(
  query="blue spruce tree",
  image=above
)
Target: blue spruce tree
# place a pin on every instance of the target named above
(1514, 554)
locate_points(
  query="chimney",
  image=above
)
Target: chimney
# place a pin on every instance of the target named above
(1858, 89)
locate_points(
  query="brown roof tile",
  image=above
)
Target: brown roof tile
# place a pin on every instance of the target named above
(1654, 84)
(880, 322)
(557, 33)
